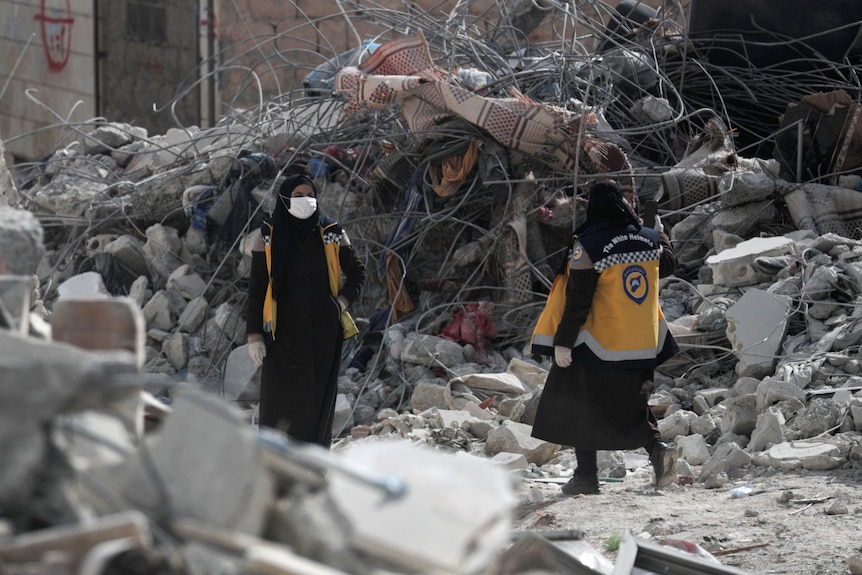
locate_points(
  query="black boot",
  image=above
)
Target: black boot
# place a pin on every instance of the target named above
(582, 485)
(663, 459)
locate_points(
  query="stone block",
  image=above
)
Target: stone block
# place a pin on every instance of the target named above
(21, 242)
(693, 448)
(193, 315)
(343, 417)
(108, 324)
(512, 461)
(516, 437)
(239, 371)
(768, 431)
(735, 267)
(814, 455)
(176, 350)
(128, 251)
(747, 187)
(713, 396)
(204, 463)
(15, 302)
(431, 351)
(705, 425)
(677, 423)
(727, 459)
(453, 517)
(772, 390)
(741, 415)
(756, 326)
(427, 395)
(745, 220)
(85, 285)
(443, 418)
(186, 283)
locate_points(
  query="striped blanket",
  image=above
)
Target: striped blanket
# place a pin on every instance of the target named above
(824, 209)
(402, 72)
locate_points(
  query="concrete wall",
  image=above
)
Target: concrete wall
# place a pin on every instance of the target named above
(47, 46)
(148, 57)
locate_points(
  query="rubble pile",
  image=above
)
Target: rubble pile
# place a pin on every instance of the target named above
(462, 222)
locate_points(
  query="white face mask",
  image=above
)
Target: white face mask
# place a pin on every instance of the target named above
(302, 207)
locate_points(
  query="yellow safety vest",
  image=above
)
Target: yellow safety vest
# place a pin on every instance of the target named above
(330, 233)
(625, 326)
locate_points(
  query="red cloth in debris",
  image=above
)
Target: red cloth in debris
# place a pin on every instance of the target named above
(474, 325)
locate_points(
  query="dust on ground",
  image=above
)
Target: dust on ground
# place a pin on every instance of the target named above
(793, 522)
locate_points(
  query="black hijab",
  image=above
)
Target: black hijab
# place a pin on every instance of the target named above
(286, 225)
(607, 206)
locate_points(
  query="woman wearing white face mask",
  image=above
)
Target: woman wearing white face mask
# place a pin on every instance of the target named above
(304, 276)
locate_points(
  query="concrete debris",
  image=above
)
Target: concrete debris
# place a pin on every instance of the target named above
(127, 410)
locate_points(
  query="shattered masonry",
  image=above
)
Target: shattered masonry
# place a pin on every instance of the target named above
(457, 162)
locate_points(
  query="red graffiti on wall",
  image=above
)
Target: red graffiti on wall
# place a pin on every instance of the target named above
(56, 36)
(211, 31)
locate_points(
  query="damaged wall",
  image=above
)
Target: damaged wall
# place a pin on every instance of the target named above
(48, 50)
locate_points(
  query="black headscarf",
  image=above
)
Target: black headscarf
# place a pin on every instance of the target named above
(607, 206)
(285, 225)
(295, 225)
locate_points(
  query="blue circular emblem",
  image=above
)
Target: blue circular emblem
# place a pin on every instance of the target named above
(577, 252)
(635, 283)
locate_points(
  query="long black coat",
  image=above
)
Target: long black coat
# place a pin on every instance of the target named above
(299, 376)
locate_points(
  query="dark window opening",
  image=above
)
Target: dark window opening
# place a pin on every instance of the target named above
(147, 21)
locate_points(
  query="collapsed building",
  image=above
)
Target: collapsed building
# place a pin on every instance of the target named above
(459, 172)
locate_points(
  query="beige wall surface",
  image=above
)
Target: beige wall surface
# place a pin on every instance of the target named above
(48, 50)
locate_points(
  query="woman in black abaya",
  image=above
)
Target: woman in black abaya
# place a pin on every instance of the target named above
(300, 351)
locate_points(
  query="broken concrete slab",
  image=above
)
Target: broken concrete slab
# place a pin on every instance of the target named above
(193, 315)
(85, 285)
(735, 267)
(773, 390)
(431, 351)
(102, 324)
(21, 241)
(740, 414)
(453, 518)
(442, 418)
(239, 371)
(15, 294)
(202, 463)
(429, 394)
(41, 380)
(812, 454)
(187, 283)
(675, 424)
(511, 461)
(747, 187)
(693, 448)
(514, 437)
(768, 431)
(342, 417)
(493, 384)
(728, 458)
(533, 551)
(756, 326)
(744, 221)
